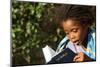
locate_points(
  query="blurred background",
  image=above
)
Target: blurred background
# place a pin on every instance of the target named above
(32, 28)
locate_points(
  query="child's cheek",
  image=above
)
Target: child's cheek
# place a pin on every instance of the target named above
(78, 35)
(81, 36)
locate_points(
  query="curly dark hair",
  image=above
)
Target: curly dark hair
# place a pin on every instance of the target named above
(81, 13)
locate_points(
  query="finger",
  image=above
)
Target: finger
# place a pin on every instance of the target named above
(76, 57)
(78, 60)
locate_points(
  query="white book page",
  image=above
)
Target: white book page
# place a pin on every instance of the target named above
(48, 53)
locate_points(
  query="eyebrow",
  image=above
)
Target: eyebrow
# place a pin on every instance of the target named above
(71, 29)
(74, 29)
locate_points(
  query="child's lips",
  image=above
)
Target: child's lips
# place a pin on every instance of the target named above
(76, 42)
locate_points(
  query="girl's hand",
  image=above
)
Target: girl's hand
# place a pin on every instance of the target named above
(79, 57)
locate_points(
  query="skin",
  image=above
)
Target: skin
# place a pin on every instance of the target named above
(76, 32)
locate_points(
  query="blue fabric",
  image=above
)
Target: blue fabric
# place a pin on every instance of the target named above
(91, 45)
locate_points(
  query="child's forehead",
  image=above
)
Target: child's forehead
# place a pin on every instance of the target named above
(70, 22)
(67, 26)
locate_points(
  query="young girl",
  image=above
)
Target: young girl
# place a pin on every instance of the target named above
(76, 21)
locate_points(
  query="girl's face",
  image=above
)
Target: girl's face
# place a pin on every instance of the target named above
(75, 30)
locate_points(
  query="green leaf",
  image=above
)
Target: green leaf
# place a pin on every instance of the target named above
(55, 39)
(13, 35)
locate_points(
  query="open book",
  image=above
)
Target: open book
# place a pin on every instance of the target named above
(51, 56)
(48, 53)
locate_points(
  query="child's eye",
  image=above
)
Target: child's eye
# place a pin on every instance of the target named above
(66, 33)
(74, 30)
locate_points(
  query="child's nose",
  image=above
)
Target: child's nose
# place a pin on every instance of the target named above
(72, 36)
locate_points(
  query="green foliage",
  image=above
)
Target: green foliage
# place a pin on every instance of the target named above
(28, 37)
